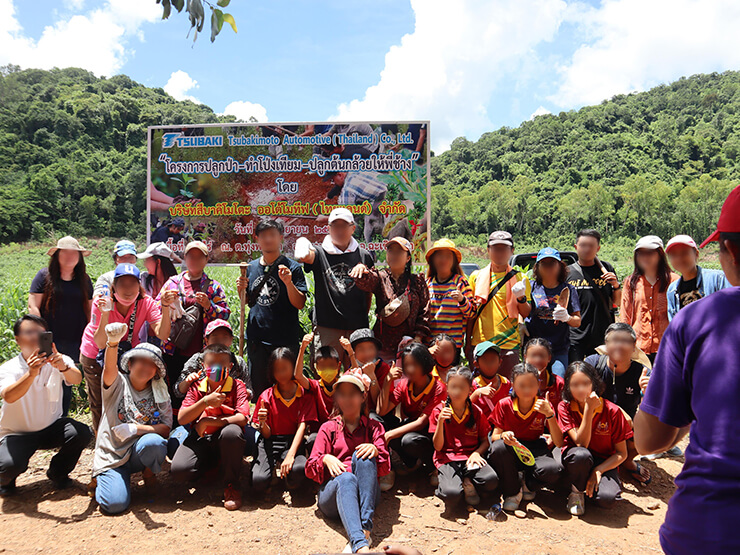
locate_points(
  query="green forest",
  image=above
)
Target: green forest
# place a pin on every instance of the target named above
(73, 160)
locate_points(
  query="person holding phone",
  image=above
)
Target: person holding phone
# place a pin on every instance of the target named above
(31, 415)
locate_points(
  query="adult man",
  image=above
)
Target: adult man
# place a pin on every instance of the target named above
(31, 412)
(598, 290)
(276, 289)
(123, 253)
(502, 295)
(696, 382)
(172, 230)
(695, 282)
(340, 307)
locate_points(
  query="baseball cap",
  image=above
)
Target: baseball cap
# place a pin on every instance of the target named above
(483, 347)
(341, 214)
(729, 217)
(123, 247)
(680, 240)
(178, 222)
(156, 249)
(500, 238)
(200, 245)
(402, 242)
(548, 252)
(218, 323)
(651, 242)
(364, 334)
(126, 270)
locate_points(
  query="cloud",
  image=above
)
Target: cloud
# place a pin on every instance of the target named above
(448, 69)
(96, 40)
(637, 44)
(541, 111)
(179, 84)
(244, 110)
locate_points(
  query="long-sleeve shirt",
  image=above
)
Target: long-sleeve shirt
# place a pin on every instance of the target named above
(646, 309)
(335, 439)
(446, 314)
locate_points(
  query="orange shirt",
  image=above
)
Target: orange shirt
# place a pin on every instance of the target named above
(646, 310)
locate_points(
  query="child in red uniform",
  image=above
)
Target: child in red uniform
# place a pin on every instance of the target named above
(349, 454)
(538, 353)
(522, 419)
(326, 364)
(596, 433)
(488, 386)
(417, 393)
(446, 354)
(219, 407)
(460, 436)
(282, 414)
(363, 352)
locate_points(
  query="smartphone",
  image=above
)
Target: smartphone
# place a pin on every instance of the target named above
(46, 338)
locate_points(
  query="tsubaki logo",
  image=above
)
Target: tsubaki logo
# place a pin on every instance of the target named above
(171, 139)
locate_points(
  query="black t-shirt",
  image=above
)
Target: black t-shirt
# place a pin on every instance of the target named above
(339, 303)
(273, 320)
(596, 303)
(688, 291)
(67, 320)
(624, 389)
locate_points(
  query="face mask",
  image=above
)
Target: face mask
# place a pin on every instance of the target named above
(216, 373)
(327, 375)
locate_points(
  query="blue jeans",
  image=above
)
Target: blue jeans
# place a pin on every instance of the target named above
(113, 492)
(560, 363)
(352, 497)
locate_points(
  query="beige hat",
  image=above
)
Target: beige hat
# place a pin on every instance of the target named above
(200, 245)
(68, 243)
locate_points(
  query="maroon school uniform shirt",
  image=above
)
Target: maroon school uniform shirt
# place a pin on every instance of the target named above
(526, 427)
(283, 416)
(487, 403)
(335, 439)
(414, 406)
(460, 439)
(323, 397)
(237, 397)
(608, 427)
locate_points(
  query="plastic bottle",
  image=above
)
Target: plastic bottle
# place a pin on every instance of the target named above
(494, 512)
(106, 296)
(155, 417)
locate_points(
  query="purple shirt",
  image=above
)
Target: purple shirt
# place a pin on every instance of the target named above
(696, 380)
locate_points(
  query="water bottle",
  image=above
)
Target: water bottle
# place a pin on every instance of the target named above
(155, 417)
(106, 296)
(494, 512)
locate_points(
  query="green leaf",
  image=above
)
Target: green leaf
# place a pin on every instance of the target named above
(179, 4)
(228, 18)
(220, 16)
(223, 3)
(167, 9)
(214, 26)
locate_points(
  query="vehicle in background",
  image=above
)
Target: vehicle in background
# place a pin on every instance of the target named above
(469, 267)
(527, 260)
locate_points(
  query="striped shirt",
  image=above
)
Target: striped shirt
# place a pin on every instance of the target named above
(447, 315)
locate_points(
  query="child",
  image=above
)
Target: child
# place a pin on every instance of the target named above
(349, 454)
(460, 436)
(219, 406)
(521, 420)
(135, 421)
(538, 353)
(446, 354)
(326, 364)
(596, 433)
(488, 386)
(417, 394)
(282, 414)
(364, 347)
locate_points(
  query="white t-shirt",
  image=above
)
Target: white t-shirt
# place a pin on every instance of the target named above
(40, 407)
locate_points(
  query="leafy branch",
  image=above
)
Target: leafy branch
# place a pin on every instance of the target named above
(197, 14)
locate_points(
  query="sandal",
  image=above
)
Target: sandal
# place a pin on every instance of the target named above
(636, 474)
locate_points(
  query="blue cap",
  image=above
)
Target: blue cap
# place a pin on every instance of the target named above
(548, 252)
(126, 270)
(178, 222)
(483, 347)
(123, 247)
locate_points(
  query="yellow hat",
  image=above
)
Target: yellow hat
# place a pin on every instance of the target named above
(444, 244)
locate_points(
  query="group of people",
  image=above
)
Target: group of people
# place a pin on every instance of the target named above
(548, 396)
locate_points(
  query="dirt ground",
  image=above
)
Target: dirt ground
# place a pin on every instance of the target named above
(190, 519)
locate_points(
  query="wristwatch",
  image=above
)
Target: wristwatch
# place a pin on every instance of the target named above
(522, 300)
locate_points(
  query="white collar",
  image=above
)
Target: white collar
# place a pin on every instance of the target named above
(330, 248)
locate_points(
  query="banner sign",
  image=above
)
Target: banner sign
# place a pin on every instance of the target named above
(215, 182)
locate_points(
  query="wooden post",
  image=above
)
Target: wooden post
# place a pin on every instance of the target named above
(242, 303)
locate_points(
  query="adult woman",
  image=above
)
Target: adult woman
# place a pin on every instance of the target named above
(451, 299)
(127, 304)
(62, 295)
(644, 301)
(555, 307)
(401, 298)
(194, 287)
(159, 268)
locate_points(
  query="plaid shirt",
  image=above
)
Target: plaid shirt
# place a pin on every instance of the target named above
(361, 186)
(217, 309)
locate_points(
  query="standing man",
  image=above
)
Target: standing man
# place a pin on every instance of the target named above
(695, 282)
(340, 306)
(598, 290)
(276, 291)
(501, 295)
(696, 382)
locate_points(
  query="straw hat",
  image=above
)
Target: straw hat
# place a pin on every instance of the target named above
(444, 244)
(147, 351)
(68, 243)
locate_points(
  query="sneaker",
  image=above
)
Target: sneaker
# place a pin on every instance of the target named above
(576, 503)
(471, 495)
(434, 478)
(511, 504)
(527, 494)
(386, 482)
(675, 451)
(232, 498)
(8, 489)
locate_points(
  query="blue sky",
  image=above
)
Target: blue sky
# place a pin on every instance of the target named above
(469, 66)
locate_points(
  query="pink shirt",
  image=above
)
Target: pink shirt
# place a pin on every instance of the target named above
(147, 311)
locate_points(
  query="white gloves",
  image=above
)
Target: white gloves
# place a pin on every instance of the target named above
(115, 332)
(560, 314)
(302, 248)
(519, 289)
(125, 431)
(176, 310)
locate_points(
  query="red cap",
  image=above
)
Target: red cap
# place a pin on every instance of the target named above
(729, 218)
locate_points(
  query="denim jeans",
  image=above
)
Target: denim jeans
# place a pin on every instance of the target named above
(352, 497)
(559, 363)
(113, 492)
